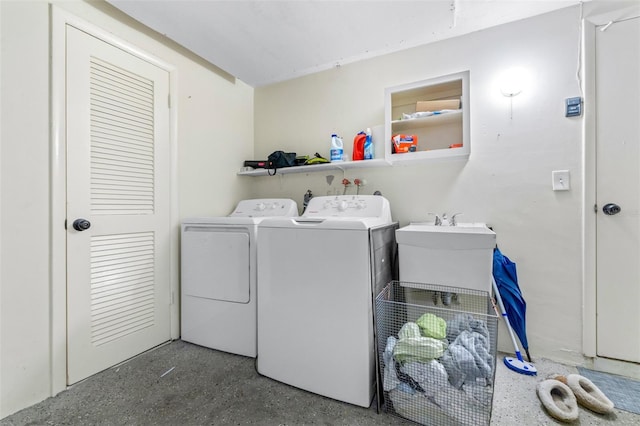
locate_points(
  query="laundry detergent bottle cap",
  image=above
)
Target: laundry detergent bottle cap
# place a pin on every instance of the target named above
(337, 148)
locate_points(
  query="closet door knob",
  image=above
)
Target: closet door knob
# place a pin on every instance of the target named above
(81, 224)
(611, 209)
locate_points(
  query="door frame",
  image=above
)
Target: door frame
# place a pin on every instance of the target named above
(57, 190)
(589, 252)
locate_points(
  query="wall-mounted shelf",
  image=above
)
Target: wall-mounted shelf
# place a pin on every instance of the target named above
(343, 165)
(440, 136)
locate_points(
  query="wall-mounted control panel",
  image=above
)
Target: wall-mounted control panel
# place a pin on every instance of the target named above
(266, 207)
(573, 107)
(348, 206)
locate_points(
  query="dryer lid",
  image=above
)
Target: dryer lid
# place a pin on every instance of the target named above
(266, 207)
(251, 212)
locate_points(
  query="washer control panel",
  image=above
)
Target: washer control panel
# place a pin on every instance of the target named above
(348, 206)
(266, 207)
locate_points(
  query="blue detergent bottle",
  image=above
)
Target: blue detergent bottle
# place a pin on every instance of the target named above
(368, 146)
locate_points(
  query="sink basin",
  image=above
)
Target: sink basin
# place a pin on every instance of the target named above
(459, 224)
(463, 236)
(457, 256)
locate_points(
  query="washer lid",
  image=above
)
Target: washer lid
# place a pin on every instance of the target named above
(349, 206)
(357, 223)
(339, 212)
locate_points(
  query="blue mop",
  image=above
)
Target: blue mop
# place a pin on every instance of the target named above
(516, 364)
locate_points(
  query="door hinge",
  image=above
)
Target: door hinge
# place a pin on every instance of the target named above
(169, 100)
(65, 224)
(595, 208)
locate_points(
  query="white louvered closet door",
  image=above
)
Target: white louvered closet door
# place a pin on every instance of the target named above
(118, 166)
(618, 182)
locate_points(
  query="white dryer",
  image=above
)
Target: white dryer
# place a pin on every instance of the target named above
(218, 276)
(319, 274)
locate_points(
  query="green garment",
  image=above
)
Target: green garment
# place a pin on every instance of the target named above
(432, 326)
(422, 349)
(409, 329)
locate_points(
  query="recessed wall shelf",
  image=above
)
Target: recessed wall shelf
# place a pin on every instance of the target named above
(343, 165)
(439, 136)
(433, 120)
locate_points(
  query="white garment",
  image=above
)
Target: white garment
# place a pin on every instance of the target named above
(430, 375)
(390, 379)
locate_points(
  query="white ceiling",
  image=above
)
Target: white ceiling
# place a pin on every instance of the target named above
(267, 41)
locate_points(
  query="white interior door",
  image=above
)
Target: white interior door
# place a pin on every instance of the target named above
(118, 180)
(618, 183)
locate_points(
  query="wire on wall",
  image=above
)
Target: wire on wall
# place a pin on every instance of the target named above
(580, 41)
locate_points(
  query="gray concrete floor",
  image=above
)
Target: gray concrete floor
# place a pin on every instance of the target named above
(207, 387)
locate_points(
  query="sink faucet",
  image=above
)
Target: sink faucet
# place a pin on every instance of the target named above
(444, 221)
(438, 221)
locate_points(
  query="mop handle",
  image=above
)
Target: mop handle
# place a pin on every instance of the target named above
(506, 318)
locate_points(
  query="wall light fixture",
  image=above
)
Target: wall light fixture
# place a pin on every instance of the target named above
(512, 82)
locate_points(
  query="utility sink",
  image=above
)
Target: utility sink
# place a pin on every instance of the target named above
(457, 256)
(463, 236)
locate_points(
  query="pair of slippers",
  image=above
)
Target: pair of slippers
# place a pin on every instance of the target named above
(561, 395)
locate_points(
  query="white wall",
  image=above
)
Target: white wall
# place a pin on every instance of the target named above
(505, 183)
(215, 133)
(24, 226)
(507, 180)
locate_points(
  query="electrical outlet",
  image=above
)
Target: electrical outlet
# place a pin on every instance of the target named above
(560, 180)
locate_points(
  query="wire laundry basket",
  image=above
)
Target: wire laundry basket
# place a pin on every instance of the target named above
(436, 363)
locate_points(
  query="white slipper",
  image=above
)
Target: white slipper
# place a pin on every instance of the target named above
(558, 399)
(558, 377)
(589, 395)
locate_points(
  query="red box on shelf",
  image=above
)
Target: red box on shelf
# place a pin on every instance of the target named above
(404, 143)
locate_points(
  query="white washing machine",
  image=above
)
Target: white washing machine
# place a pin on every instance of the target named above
(218, 276)
(319, 274)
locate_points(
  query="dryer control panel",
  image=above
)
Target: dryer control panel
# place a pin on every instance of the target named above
(349, 206)
(266, 207)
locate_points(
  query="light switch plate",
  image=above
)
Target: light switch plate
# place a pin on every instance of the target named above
(561, 180)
